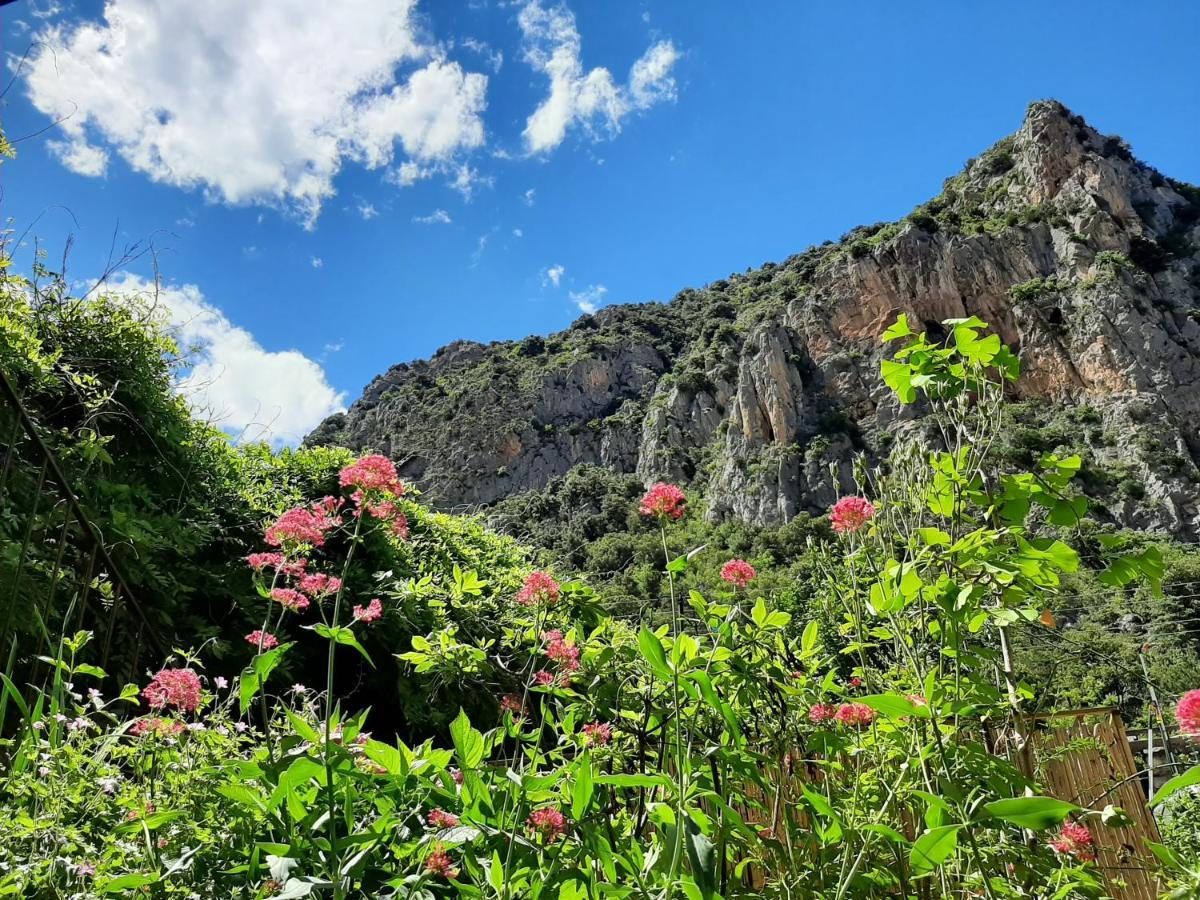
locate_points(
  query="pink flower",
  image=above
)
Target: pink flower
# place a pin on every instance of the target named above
(179, 688)
(400, 526)
(372, 612)
(262, 639)
(1075, 840)
(457, 775)
(372, 473)
(738, 572)
(511, 703)
(547, 822)
(439, 818)
(439, 864)
(1187, 713)
(850, 514)
(562, 652)
(538, 589)
(854, 714)
(84, 869)
(289, 599)
(303, 525)
(543, 678)
(664, 501)
(855, 682)
(597, 733)
(821, 712)
(318, 584)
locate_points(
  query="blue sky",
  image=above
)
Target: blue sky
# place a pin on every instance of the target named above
(331, 192)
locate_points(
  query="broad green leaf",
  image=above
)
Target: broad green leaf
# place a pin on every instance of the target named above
(933, 848)
(468, 743)
(584, 786)
(1175, 785)
(652, 651)
(1035, 813)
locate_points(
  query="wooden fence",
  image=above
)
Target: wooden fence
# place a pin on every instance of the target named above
(1084, 756)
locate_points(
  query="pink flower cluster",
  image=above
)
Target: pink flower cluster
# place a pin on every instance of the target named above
(539, 589)
(439, 818)
(1074, 839)
(304, 525)
(289, 599)
(850, 514)
(372, 612)
(512, 703)
(263, 639)
(738, 572)
(853, 715)
(278, 562)
(1187, 713)
(318, 585)
(547, 822)
(562, 651)
(439, 864)
(179, 688)
(597, 734)
(372, 473)
(663, 501)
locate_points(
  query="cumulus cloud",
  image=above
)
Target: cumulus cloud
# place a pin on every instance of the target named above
(367, 210)
(592, 99)
(590, 298)
(552, 275)
(437, 217)
(529, 197)
(317, 262)
(229, 96)
(232, 380)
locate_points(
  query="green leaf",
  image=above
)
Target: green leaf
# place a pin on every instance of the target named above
(898, 376)
(255, 675)
(678, 564)
(1176, 784)
(345, 636)
(933, 848)
(898, 329)
(652, 651)
(1035, 813)
(123, 883)
(584, 786)
(703, 859)
(468, 743)
(894, 706)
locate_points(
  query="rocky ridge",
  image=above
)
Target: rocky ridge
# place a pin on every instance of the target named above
(758, 390)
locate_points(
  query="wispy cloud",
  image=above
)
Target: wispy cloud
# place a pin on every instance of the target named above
(437, 217)
(552, 275)
(590, 298)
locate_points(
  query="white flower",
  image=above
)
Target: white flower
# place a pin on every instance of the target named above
(299, 689)
(44, 771)
(221, 682)
(108, 785)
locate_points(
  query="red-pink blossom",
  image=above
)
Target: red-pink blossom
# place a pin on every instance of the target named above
(821, 712)
(457, 775)
(597, 733)
(539, 588)
(372, 473)
(561, 651)
(372, 612)
(278, 562)
(289, 599)
(547, 822)
(738, 572)
(318, 584)
(1074, 839)
(663, 501)
(439, 818)
(400, 526)
(179, 688)
(543, 678)
(855, 714)
(511, 703)
(850, 514)
(263, 639)
(304, 524)
(1187, 713)
(439, 864)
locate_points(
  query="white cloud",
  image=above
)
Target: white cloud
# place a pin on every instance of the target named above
(495, 58)
(477, 255)
(589, 298)
(232, 380)
(518, 233)
(529, 197)
(437, 217)
(82, 159)
(317, 262)
(229, 97)
(591, 100)
(552, 275)
(367, 210)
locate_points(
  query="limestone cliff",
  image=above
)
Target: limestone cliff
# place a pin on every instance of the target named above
(753, 389)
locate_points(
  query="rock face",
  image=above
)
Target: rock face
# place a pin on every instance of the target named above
(759, 390)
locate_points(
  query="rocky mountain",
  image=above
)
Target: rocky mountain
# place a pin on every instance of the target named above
(755, 388)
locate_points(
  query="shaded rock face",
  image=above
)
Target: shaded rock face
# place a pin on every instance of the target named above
(759, 390)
